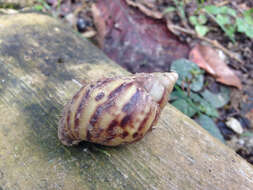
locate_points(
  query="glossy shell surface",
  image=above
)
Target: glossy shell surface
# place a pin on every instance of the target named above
(114, 111)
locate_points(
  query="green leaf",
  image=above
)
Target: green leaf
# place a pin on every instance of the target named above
(200, 2)
(223, 21)
(201, 30)
(231, 31)
(38, 7)
(202, 19)
(193, 20)
(244, 27)
(180, 7)
(169, 9)
(184, 107)
(186, 70)
(227, 10)
(44, 4)
(203, 105)
(212, 9)
(208, 124)
(217, 100)
(175, 95)
(208, 109)
(248, 15)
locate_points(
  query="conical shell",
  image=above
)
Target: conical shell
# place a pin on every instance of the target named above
(114, 111)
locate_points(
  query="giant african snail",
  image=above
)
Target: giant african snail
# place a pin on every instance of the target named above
(114, 111)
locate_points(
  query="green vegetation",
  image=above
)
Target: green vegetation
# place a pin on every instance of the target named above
(228, 19)
(190, 97)
(41, 5)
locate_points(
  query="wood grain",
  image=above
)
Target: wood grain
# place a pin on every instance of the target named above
(42, 63)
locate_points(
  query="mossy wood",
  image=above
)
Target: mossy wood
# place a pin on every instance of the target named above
(41, 63)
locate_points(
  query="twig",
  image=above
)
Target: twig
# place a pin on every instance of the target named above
(222, 3)
(181, 13)
(215, 43)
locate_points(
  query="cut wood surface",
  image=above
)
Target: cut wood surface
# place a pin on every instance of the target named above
(42, 62)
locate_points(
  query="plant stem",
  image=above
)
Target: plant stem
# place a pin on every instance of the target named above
(215, 43)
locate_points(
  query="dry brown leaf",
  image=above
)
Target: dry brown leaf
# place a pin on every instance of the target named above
(209, 59)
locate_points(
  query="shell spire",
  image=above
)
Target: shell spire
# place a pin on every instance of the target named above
(114, 111)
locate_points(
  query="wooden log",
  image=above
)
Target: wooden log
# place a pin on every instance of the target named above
(41, 61)
(16, 3)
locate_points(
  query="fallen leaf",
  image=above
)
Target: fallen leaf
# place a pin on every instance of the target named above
(133, 40)
(210, 60)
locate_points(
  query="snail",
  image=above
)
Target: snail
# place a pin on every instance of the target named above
(117, 110)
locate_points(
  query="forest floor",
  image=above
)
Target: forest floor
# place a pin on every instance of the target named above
(209, 43)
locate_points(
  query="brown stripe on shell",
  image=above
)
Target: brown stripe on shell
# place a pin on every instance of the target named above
(135, 135)
(79, 111)
(77, 95)
(130, 106)
(117, 90)
(110, 102)
(125, 121)
(88, 136)
(137, 138)
(68, 125)
(109, 139)
(99, 132)
(84, 99)
(100, 109)
(105, 107)
(94, 134)
(110, 129)
(144, 121)
(139, 134)
(124, 134)
(99, 96)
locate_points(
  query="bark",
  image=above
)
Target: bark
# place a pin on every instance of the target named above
(41, 61)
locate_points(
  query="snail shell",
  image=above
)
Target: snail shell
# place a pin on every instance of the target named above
(114, 111)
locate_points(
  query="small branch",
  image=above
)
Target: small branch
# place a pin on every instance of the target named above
(220, 4)
(215, 43)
